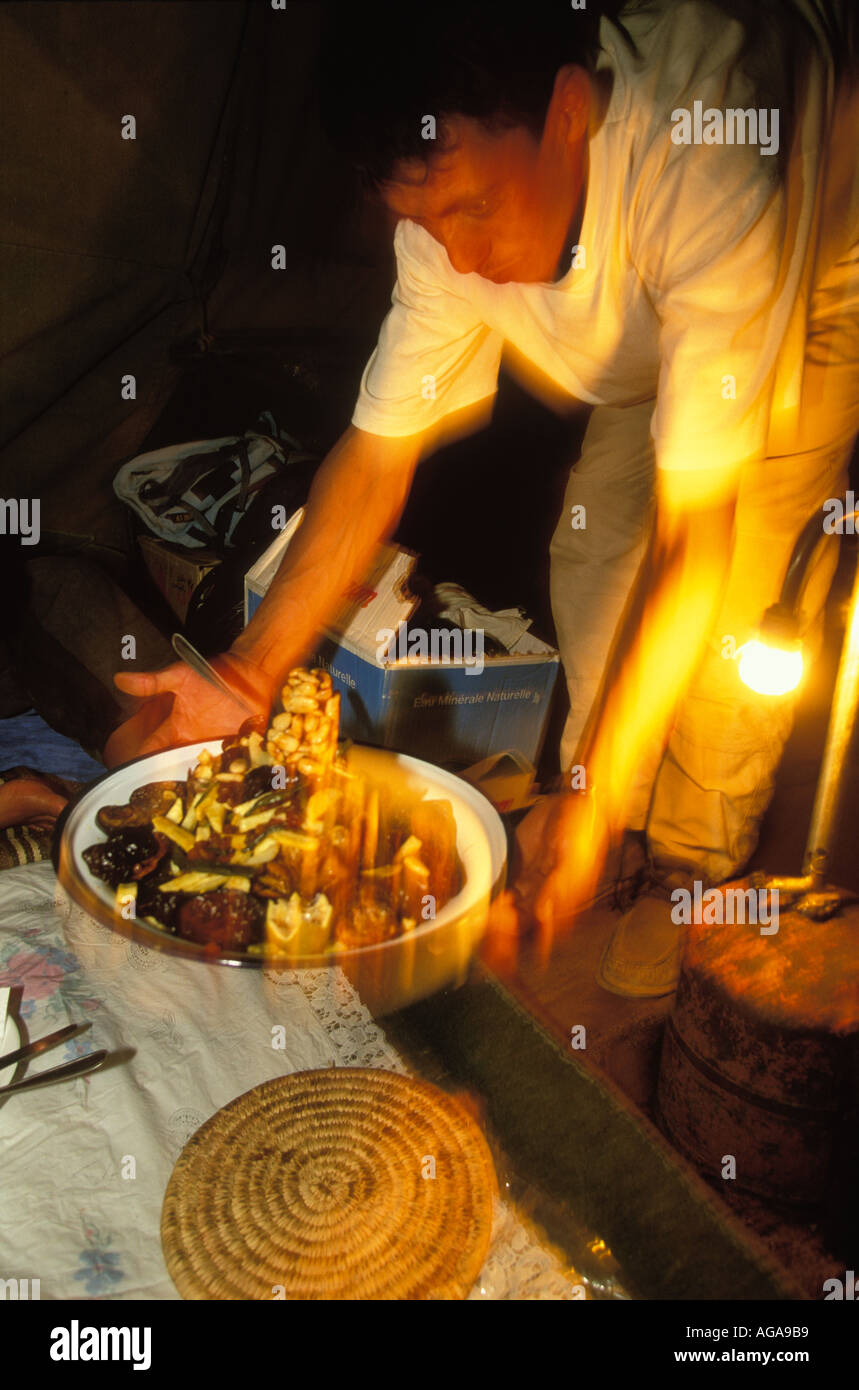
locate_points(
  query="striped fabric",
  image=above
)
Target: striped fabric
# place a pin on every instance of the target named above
(28, 844)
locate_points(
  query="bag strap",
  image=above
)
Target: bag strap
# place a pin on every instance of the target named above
(245, 475)
(190, 470)
(201, 520)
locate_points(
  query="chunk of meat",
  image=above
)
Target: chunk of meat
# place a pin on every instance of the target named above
(112, 818)
(126, 855)
(254, 724)
(217, 849)
(151, 902)
(231, 793)
(223, 918)
(261, 780)
(234, 758)
(154, 799)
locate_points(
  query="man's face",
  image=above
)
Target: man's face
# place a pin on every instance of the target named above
(500, 203)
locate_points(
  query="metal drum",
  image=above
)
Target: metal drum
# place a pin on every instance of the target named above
(761, 1052)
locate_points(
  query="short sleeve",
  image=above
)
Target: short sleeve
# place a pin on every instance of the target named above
(434, 354)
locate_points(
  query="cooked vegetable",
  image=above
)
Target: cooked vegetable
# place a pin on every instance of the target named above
(183, 838)
(297, 927)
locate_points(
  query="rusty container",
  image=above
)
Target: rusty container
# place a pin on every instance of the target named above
(759, 1059)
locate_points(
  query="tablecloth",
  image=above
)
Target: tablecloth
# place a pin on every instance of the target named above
(85, 1164)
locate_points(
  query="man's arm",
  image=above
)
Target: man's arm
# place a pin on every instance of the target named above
(669, 616)
(354, 504)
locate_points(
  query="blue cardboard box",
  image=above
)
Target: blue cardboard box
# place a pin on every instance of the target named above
(451, 712)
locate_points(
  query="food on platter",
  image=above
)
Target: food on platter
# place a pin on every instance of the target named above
(277, 845)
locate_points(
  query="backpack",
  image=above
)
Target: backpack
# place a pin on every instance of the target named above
(196, 494)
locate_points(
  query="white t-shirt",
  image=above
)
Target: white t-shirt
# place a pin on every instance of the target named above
(696, 267)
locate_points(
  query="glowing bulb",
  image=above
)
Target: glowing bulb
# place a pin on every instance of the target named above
(770, 670)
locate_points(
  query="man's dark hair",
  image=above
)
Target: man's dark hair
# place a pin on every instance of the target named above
(384, 67)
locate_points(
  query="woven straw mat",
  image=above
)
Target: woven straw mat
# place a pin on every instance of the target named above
(320, 1186)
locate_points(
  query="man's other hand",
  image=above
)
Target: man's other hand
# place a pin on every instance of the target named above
(561, 849)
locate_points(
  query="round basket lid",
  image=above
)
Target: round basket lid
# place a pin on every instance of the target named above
(340, 1183)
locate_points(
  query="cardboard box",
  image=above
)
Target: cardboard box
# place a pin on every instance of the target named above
(177, 572)
(506, 779)
(446, 711)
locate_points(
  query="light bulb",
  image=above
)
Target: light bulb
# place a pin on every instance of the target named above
(770, 670)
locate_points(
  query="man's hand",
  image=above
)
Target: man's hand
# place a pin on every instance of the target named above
(180, 707)
(559, 844)
(561, 847)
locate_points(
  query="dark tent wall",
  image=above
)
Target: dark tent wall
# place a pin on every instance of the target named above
(116, 252)
(152, 257)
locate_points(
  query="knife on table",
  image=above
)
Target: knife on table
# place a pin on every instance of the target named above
(79, 1067)
(43, 1044)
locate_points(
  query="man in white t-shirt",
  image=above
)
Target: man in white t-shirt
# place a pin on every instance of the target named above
(663, 226)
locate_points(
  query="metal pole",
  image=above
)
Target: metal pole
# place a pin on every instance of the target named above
(845, 702)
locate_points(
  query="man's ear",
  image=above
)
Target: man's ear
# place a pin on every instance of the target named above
(569, 109)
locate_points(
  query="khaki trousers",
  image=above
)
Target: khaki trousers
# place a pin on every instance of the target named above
(702, 800)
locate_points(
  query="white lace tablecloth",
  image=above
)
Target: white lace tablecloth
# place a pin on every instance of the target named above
(85, 1164)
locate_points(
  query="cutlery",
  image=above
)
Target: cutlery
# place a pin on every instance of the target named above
(189, 654)
(78, 1067)
(42, 1044)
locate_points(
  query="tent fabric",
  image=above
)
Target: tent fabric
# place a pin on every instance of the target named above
(111, 248)
(101, 236)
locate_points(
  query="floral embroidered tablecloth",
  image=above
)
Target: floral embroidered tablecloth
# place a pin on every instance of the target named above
(85, 1163)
